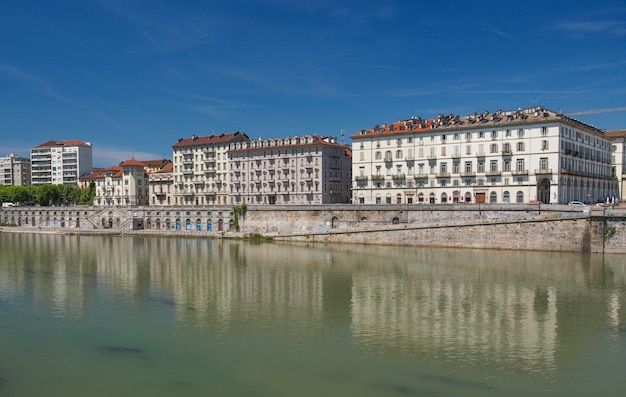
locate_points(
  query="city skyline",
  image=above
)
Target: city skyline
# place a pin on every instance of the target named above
(132, 78)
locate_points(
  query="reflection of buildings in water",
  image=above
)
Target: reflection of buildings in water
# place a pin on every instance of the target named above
(462, 320)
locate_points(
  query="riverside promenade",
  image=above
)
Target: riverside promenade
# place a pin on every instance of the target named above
(486, 226)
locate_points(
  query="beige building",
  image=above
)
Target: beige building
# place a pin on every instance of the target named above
(14, 170)
(200, 168)
(161, 184)
(60, 163)
(618, 138)
(517, 156)
(300, 170)
(121, 185)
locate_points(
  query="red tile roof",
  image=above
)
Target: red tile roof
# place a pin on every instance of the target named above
(212, 139)
(54, 143)
(615, 133)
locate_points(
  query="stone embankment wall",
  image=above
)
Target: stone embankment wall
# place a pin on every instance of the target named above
(525, 227)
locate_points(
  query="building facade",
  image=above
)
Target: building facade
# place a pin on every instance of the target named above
(200, 168)
(618, 138)
(518, 156)
(60, 163)
(301, 170)
(161, 184)
(125, 184)
(14, 170)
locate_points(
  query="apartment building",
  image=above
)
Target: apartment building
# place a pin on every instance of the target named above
(200, 168)
(298, 170)
(520, 156)
(161, 186)
(124, 184)
(618, 158)
(60, 163)
(14, 170)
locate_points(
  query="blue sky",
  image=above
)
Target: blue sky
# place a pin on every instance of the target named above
(132, 77)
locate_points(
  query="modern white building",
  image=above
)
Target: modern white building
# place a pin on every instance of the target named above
(60, 163)
(618, 138)
(200, 168)
(310, 169)
(14, 170)
(517, 156)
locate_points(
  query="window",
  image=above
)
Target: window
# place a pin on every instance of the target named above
(468, 166)
(444, 168)
(398, 154)
(506, 148)
(399, 142)
(544, 130)
(443, 150)
(494, 134)
(455, 168)
(506, 166)
(388, 155)
(468, 136)
(544, 145)
(493, 148)
(378, 156)
(456, 136)
(481, 134)
(520, 197)
(493, 165)
(520, 133)
(520, 165)
(468, 149)
(507, 133)
(543, 163)
(520, 146)
(443, 138)
(481, 166)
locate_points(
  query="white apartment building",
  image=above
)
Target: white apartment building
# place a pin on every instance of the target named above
(297, 170)
(60, 163)
(14, 170)
(618, 138)
(518, 156)
(200, 168)
(126, 184)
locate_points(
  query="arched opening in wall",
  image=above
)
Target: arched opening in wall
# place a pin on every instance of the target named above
(519, 198)
(231, 225)
(209, 225)
(506, 197)
(444, 198)
(468, 197)
(220, 225)
(493, 198)
(62, 222)
(456, 196)
(431, 198)
(399, 198)
(148, 223)
(198, 225)
(187, 224)
(157, 223)
(333, 222)
(168, 224)
(77, 223)
(33, 222)
(379, 199)
(543, 190)
(26, 221)
(109, 223)
(178, 224)
(19, 221)
(395, 220)
(420, 198)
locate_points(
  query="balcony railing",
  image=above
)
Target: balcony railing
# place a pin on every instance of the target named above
(398, 176)
(507, 153)
(519, 172)
(420, 176)
(360, 178)
(468, 174)
(494, 173)
(378, 177)
(443, 175)
(543, 171)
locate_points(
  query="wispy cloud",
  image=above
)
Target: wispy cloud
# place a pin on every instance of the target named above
(29, 81)
(579, 28)
(500, 33)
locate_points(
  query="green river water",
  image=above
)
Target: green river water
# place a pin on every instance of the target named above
(134, 316)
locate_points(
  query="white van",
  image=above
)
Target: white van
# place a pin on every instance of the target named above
(7, 205)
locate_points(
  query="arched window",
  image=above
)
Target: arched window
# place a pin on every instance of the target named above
(506, 197)
(520, 197)
(493, 198)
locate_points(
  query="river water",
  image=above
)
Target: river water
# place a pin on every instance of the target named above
(131, 316)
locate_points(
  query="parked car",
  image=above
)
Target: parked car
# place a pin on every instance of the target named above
(576, 203)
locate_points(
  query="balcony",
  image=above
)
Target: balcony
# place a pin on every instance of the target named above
(388, 160)
(469, 174)
(519, 172)
(398, 177)
(543, 171)
(480, 154)
(443, 175)
(378, 177)
(409, 158)
(432, 157)
(360, 178)
(187, 171)
(494, 173)
(456, 155)
(420, 176)
(507, 153)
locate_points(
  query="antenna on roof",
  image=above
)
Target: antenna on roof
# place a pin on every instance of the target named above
(342, 136)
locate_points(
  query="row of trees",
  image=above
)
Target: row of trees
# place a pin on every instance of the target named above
(47, 194)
